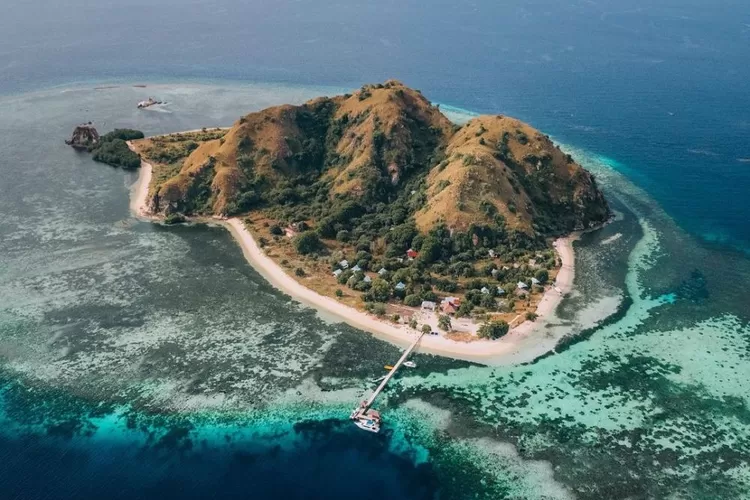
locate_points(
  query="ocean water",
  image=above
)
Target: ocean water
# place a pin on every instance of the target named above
(138, 361)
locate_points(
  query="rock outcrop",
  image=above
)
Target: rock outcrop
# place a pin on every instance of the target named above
(84, 136)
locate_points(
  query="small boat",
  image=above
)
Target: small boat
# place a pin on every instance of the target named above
(388, 367)
(410, 364)
(378, 380)
(150, 102)
(368, 421)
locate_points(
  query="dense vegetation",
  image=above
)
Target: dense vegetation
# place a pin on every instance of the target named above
(112, 149)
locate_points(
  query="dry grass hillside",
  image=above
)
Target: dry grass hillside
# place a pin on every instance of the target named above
(499, 166)
(385, 143)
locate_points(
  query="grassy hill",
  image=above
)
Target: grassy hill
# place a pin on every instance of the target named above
(367, 176)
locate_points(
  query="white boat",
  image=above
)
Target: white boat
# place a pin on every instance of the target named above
(410, 364)
(150, 102)
(368, 421)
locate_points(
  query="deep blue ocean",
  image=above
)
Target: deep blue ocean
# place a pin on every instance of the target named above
(660, 93)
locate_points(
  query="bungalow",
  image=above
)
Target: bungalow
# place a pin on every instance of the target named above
(383, 271)
(535, 281)
(411, 253)
(522, 286)
(338, 272)
(428, 305)
(500, 291)
(491, 253)
(448, 307)
(367, 279)
(356, 269)
(485, 290)
(400, 286)
(344, 264)
(494, 273)
(532, 263)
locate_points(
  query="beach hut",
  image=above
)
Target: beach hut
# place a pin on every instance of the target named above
(522, 286)
(367, 279)
(383, 271)
(491, 253)
(500, 291)
(400, 286)
(485, 290)
(494, 273)
(338, 272)
(428, 305)
(356, 269)
(344, 264)
(535, 281)
(448, 307)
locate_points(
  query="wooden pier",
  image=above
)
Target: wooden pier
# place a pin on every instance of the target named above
(363, 410)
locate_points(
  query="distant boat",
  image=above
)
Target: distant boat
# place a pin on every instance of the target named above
(410, 364)
(150, 102)
(388, 367)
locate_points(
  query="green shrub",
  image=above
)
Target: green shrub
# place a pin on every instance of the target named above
(493, 329)
(339, 293)
(412, 300)
(444, 322)
(307, 243)
(531, 316)
(174, 218)
(299, 272)
(542, 275)
(379, 309)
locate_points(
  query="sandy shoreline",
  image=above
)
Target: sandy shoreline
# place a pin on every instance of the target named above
(519, 345)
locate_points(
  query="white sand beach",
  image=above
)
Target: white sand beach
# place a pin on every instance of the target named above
(523, 343)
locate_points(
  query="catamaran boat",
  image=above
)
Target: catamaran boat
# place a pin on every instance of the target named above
(369, 421)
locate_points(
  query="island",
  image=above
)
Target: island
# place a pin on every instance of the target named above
(375, 207)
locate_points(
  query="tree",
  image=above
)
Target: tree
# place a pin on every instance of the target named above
(444, 323)
(307, 242)
(380, 290)
(339, 293)
(413, 323)
(426, 329)
(464, 309)
(531, 316)
(412, 300)
(379, 309)
(542, 275)
(493, 329)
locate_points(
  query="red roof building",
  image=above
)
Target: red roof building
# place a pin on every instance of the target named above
(411, 253)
